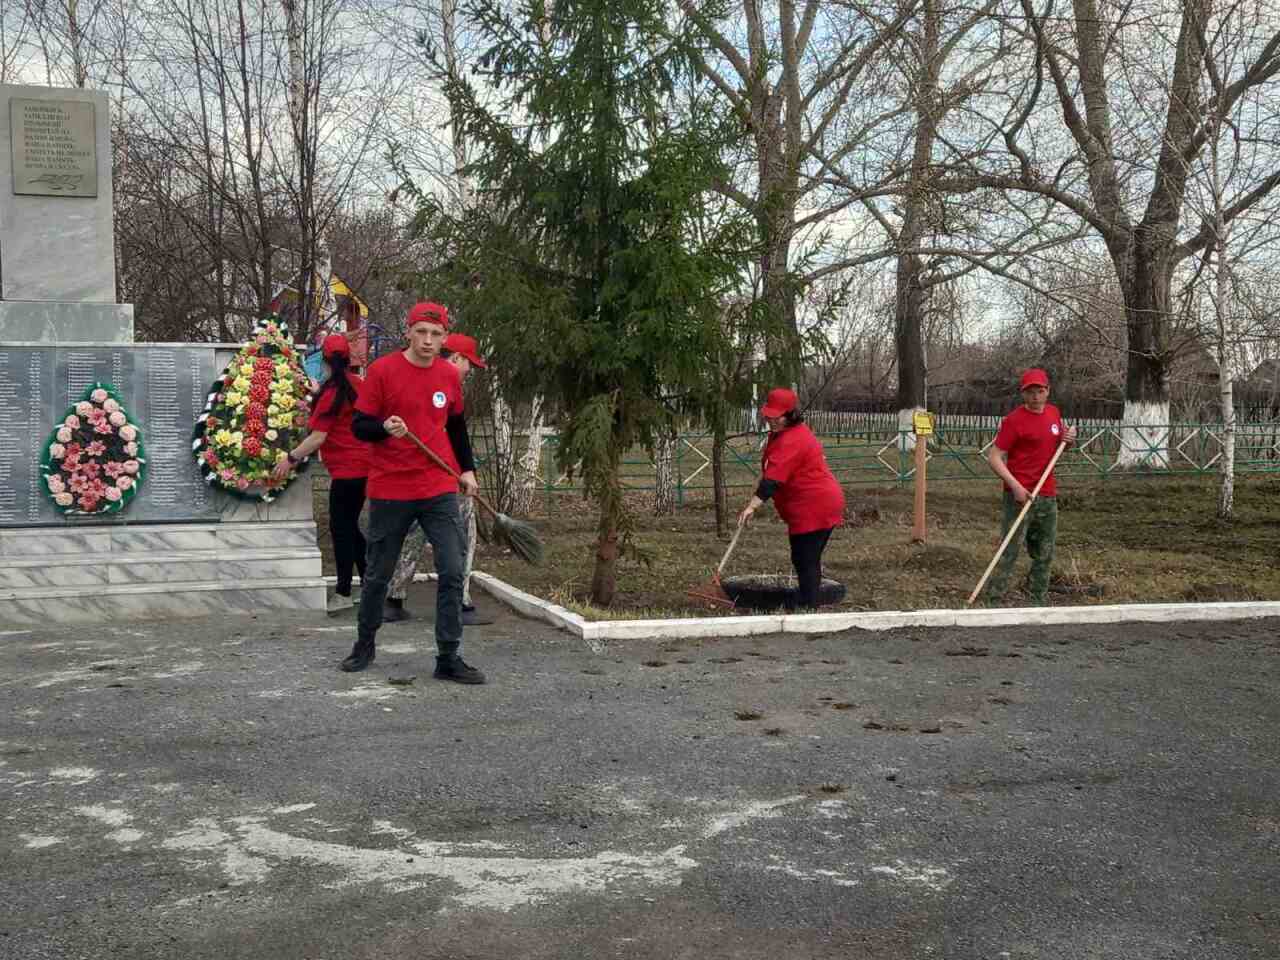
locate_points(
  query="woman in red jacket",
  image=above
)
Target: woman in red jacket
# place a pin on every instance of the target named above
(805, 492)
(346, 458)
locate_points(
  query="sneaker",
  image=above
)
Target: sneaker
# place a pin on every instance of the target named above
(455, 669)
(362, 654)
(392, 614)
(471, 617)
(337, 603)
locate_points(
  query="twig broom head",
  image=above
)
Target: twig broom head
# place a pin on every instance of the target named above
(520, 537)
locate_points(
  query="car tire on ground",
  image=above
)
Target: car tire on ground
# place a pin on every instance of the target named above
(766, 592)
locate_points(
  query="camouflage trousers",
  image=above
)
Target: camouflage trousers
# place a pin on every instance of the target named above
(415, 545)
(1040, 531)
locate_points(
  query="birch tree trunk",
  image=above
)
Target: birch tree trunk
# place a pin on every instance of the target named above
(664, 462)
(717, 480)
(75, 40)
(1226, 331)
(525, 481)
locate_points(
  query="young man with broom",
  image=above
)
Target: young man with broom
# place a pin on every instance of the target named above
(415, 396)
(1023, 450)
(460, 350)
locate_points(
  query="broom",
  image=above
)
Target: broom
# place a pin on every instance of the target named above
(712, 591)
(518, 535)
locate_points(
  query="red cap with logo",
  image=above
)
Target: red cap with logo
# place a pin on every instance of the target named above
(335, 344)
(427, 312)
(465, 346)
(1035, 377)
(779, 401)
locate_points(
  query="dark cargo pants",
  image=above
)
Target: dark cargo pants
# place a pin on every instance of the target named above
(1040, 530)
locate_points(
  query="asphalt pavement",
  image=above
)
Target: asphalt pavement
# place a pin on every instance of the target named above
(216, 788)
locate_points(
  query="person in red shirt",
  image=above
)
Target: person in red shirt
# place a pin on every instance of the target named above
(415, 390)
(1024, 446)
(462, 351)
(805, 492)
(333, 405)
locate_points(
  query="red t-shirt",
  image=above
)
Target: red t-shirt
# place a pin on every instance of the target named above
(345, 457)
(1029, 440)
(808, 496)
(424, 398)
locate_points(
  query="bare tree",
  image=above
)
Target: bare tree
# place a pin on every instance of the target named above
(67, 32)
(17, 30)
(793, 75)
(1107, 122)
(248, 128)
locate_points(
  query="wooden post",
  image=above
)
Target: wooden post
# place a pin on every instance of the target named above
(923, 423)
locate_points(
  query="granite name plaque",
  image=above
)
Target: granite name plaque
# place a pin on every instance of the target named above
(163, 388)
(54, 148)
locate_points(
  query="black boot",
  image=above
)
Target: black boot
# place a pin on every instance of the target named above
(453, 668)
(362, 654)
(393, 611)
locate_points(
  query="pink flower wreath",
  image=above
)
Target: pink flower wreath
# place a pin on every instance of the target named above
(94, 461)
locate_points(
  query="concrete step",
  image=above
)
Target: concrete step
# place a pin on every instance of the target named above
(83, 540)
(89, 570)
(116, 603)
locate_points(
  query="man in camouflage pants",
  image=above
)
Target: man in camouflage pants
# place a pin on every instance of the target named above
(1023, 448)
(460, 350)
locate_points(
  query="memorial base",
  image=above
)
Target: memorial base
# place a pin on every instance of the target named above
(51, 322)
(115, 574)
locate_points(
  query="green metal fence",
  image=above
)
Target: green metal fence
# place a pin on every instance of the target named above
(880, 455)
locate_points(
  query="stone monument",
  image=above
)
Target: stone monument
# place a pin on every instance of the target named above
(180, 547)
(57, 252)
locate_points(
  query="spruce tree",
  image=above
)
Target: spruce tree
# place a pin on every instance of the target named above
(596, 257)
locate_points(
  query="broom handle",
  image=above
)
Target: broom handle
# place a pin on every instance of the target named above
(732, 543)
(440, 462)
(1016, 523)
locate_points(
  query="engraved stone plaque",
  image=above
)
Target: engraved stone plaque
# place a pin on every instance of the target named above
(162, 386)
(54, 148)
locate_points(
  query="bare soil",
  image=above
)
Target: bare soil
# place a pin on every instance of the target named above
(1134, 539)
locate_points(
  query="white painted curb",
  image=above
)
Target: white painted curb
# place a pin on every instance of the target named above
(355, 578)
(595, 632)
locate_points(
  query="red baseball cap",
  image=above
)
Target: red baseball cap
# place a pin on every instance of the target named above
(460, 343)
(1035, 377)
(335, 344)
(779, 401)
(427, 312)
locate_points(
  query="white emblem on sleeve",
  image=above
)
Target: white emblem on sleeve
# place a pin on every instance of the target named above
(438, 399)
(1054, 428)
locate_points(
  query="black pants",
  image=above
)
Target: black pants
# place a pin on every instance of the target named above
(389, 522)
(346, 500)
(806, 557)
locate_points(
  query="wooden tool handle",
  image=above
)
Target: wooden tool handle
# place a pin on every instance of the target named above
(1016, 523)
(443, 465)
(732, 543)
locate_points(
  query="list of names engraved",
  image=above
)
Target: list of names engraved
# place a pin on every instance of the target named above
(162, 390)
(35, 440)
(164, 431)
(13, 417)
(54, 147)
(200, 493)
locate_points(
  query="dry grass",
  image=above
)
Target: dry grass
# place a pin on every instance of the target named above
(1140, 539)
